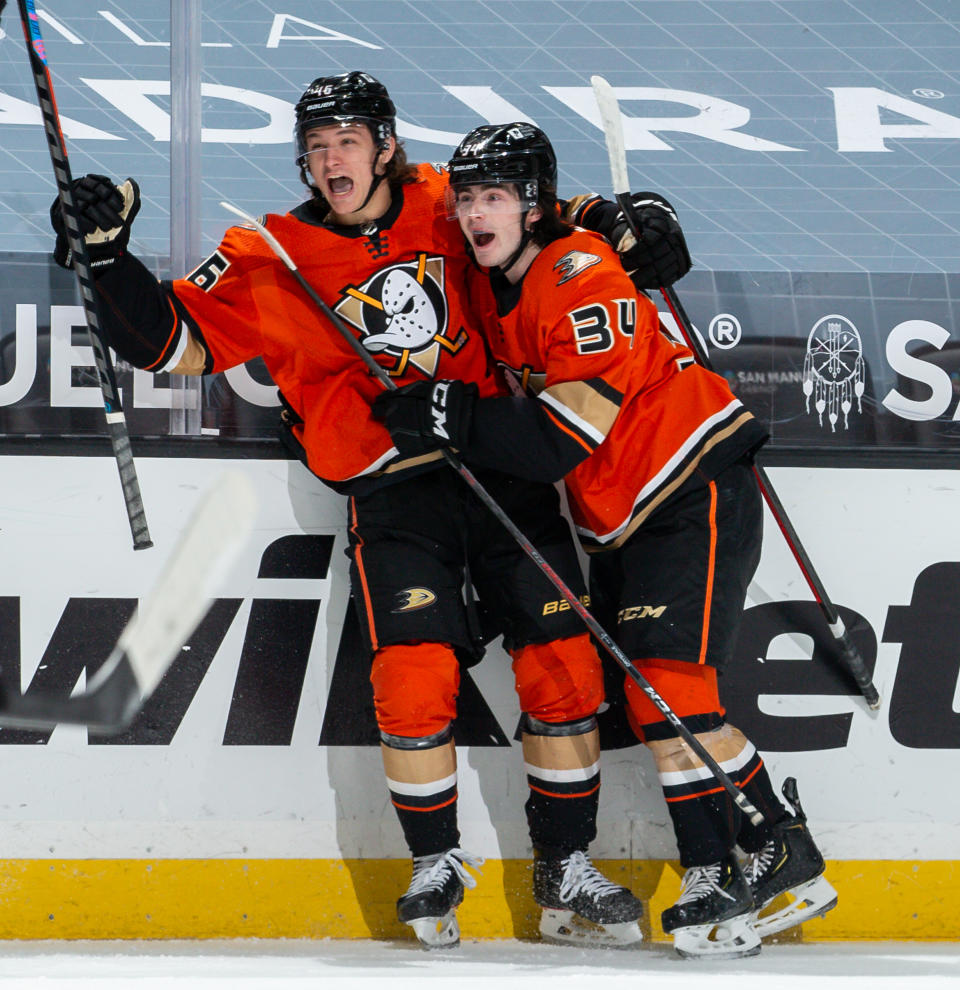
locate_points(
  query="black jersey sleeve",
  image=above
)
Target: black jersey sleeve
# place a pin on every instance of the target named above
(143, 321)
(518, 436)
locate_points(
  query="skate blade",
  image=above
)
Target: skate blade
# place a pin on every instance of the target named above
(730, 939)
(568, 928)
(812, 899)
(437, 933)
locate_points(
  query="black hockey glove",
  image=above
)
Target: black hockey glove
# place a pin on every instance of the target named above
(425, 416)
(661, 256)
(105, 213)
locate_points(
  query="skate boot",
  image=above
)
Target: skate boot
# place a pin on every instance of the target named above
(580, 905)
(789, 863)
(430, 904)
(712, 917)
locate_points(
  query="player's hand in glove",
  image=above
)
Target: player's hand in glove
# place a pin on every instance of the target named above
(105, 213)
(425, 416)
(661, 256)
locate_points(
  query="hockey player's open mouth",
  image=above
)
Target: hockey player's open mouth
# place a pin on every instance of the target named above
(482, 239)
(340, 185)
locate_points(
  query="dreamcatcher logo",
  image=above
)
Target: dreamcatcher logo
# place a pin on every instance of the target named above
(833, 369)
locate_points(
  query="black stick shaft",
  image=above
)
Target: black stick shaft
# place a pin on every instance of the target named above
(116, 422)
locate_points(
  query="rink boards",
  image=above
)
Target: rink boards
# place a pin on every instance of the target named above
(248, 799)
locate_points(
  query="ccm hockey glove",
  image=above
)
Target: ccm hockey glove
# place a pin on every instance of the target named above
(660, 257)
(105, 213)
(425, 416)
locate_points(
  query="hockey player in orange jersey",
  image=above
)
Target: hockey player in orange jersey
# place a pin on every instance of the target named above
(656, 455)
(374, 241)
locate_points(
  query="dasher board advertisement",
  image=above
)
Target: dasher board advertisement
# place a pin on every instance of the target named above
(261, 741)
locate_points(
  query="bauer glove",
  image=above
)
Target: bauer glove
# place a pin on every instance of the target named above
(425, 416)
(661, 256)
(105, 213)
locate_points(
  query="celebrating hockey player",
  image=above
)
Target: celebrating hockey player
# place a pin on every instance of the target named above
(374, 241)
(656, 455)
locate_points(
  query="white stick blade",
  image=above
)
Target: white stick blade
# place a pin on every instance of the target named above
(613, 132)
(208, 547)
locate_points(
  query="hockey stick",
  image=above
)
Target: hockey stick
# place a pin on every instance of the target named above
(531, 551)
(616, 149)
(165, 619)
(116, 422)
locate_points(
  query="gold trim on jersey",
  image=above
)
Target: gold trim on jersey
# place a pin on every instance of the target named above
(650, 505)
(586, 403)
(409, 462)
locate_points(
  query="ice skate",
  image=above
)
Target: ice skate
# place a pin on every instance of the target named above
(789, 864)
(430, 904)
(580, 905)
(712, 917)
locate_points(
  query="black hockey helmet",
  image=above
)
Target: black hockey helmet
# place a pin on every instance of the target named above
(518, 153)
(345, 98)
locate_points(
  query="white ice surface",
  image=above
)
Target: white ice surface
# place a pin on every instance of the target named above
(491, 965)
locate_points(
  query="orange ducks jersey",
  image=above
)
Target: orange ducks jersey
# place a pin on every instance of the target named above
(626, 403)
(396, 283)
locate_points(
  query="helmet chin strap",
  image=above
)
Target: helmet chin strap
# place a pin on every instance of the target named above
(525, 237)
(377, 179)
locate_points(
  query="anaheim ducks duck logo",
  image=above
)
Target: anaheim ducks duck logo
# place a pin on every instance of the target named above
(401, 311)
(573, 263)
(410, 599)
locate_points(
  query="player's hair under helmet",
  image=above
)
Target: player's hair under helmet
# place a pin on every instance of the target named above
(519, 154)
